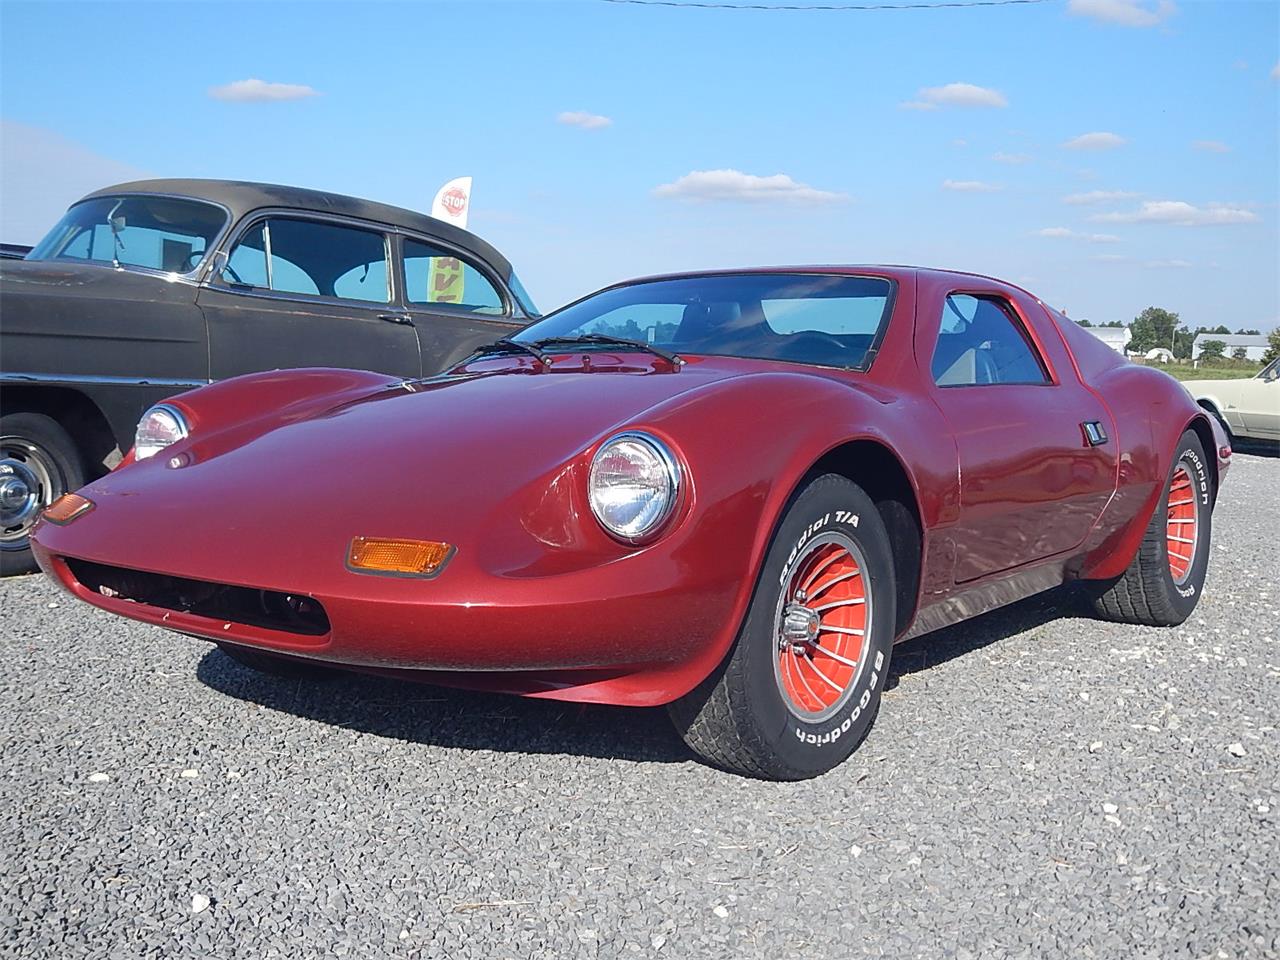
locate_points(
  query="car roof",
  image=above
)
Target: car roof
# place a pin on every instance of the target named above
(242, 197)
(891, 271)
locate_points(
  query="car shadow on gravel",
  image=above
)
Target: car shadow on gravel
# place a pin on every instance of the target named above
(468, 720)
(948, 643)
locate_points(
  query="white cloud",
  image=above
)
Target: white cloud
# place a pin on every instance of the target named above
(971, 186)
(1097, 196)
(1109, 258)
(1014, 158)
(260, 91)
(1168, 264)
(1126, 13)
(1210, 146)
(956, 95)
(736, 185)
(1100, 140)
(580, 118)
(959, 142)
(1066, 233)
(1275, 71)
(1180, 213)
(42, 173)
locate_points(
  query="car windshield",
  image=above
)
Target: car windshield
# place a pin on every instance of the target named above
(1271, 371)
(820, 319)
(158, 233)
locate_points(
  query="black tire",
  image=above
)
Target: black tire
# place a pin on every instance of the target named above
(740, 718)
(37, 455)
(1148, 592)
(286, 668)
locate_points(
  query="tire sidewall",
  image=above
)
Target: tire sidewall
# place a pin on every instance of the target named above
(1184, 597)
(828, 504)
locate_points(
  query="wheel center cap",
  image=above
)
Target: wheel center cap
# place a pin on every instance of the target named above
(800, 625)
(13, 492)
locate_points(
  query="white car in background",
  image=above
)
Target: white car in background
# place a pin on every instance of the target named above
(1247, 408)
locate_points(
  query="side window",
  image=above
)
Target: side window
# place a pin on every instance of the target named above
(981, 342)
(312, 258)
(435, 276)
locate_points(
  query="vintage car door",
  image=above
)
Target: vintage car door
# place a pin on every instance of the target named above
(299, 291)
(1037, 458)
(456, 303)
(1258, 403)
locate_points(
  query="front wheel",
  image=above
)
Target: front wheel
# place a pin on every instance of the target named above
(1163, 583)
(38, 464)
(800, 688)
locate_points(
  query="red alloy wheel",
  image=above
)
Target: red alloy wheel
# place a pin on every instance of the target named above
(1183, 524)
(823, 619)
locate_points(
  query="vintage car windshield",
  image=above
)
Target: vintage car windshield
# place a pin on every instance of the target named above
(820, 319)
(1271, 371)
(157, 233)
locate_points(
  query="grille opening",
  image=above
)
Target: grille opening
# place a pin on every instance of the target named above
(290, 612)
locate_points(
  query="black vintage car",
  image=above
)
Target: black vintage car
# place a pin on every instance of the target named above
(146, 289)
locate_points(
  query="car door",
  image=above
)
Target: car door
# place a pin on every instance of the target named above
(1258, 403)
(299, 291)
(1036, 449)
(456, 303)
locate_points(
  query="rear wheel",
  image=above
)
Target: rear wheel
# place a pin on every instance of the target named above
(38, 464)
(286, 668)
(800, 688)
(1164, 581)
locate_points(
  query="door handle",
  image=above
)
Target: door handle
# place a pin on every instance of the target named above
(400, 318)
(1094, 435)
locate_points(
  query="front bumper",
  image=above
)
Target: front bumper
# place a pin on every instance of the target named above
(591, 635)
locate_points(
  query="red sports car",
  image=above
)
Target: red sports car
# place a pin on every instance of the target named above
(729, 493)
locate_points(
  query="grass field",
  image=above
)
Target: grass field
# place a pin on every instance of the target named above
(1184, 371)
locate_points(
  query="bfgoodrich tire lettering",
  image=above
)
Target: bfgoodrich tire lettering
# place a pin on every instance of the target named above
(1162, 586)
(742, 717)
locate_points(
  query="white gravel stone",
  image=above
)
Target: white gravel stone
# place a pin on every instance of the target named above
(99, 778)
(199, 903)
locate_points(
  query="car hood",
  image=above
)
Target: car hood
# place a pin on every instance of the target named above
(492, 460)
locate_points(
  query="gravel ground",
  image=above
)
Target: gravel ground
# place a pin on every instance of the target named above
(1039, 784)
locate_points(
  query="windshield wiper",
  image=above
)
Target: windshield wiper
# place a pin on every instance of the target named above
(607, 340)
(506, 345)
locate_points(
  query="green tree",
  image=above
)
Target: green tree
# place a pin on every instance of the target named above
(1084, 323)
(1183, 343)
(1114, 323)
(1212, 350)
(1273, 346)
(1240, 353)
(1153, 327)
(1249, 333)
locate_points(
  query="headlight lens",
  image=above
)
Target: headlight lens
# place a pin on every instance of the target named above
(159, 427)
(633, 485)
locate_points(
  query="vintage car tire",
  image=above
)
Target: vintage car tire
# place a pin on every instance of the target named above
(286, 668)
(1161, 587)
(38, 449)
(747, 716)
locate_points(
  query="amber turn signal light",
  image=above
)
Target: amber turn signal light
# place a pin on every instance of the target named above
(66, 508)
(398, 558)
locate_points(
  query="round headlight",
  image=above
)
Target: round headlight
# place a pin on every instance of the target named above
(159, 427)
(633, 485)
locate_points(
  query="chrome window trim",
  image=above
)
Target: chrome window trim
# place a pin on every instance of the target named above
(18, 377)
(264, 214)
(192, 275)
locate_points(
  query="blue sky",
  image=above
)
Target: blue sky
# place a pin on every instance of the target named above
(940, 137)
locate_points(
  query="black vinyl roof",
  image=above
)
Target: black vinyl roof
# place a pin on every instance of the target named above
(242, 197)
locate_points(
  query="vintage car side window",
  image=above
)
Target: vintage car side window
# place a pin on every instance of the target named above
(312, 258)
(981, 342)
(433, 276)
